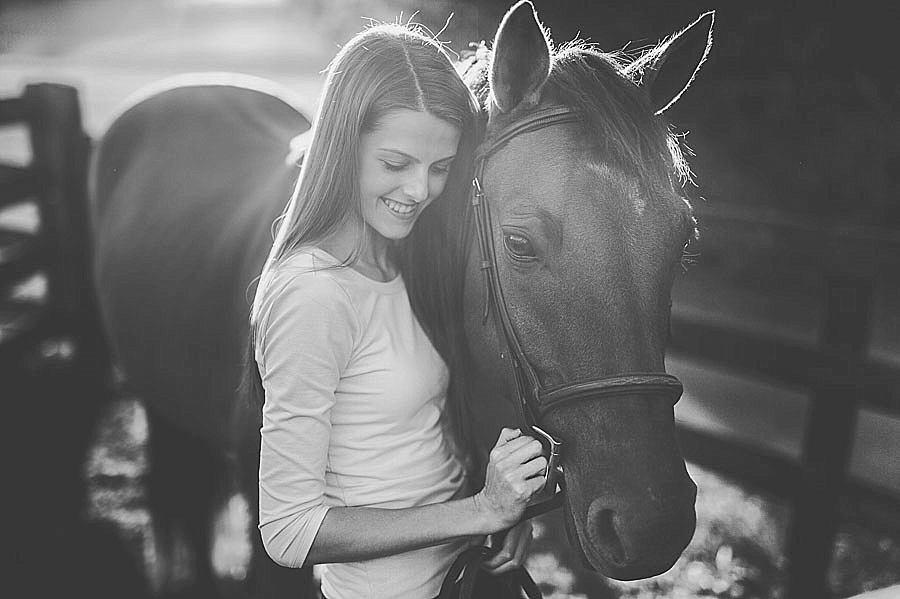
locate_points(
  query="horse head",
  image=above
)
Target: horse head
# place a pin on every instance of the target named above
(587, 227)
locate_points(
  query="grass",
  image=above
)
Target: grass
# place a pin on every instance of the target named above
(736, 551)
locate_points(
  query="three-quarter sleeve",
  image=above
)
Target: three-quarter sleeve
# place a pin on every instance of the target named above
(305, 340)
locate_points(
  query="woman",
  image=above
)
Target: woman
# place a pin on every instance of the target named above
(358, 469)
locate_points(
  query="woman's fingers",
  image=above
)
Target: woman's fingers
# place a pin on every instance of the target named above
(514, 550)
(519, 460)
(514, 474)
(523, 489)
(521, 549)
(507, 434)
(532, 468)
(526, 457)
(518, 450)
(508, 442)
(535, 484)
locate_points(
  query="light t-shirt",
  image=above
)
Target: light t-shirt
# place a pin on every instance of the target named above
(354, 392)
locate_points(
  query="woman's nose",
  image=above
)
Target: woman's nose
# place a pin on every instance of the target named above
(416, 185)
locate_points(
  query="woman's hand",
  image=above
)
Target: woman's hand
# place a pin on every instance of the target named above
(514, 550)
(514, 474)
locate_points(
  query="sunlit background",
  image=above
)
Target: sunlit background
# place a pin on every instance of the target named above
(794, 123)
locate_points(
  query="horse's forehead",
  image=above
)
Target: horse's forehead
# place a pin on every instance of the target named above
(556, 169)
(631, 196)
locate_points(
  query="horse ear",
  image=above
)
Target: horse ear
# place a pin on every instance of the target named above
(667, 70)
(521, 62)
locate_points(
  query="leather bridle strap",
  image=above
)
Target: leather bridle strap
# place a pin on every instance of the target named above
(656, 383)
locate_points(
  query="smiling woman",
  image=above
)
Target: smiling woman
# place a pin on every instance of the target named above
(360, 467)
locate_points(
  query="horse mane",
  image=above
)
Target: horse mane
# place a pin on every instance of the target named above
(621, 129)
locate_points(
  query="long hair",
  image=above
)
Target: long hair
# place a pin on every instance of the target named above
(384, 68)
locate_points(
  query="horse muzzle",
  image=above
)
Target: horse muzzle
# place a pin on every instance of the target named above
(625, 547)
(629, 501)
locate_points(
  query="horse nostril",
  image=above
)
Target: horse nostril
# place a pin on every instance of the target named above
(603, 528)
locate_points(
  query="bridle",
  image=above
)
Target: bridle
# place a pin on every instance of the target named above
(534, 401)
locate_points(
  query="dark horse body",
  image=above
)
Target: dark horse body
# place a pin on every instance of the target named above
(186, 186)
(187, 183)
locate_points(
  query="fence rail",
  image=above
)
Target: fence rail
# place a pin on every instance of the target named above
(780, 360)
(838, 371)
(17, 183)
(14, 110)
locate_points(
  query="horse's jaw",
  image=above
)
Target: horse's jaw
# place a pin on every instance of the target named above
(629, 502)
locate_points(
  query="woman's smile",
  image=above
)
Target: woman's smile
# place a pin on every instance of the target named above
(400, 209)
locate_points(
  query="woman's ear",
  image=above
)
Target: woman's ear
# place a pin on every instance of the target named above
(521, 60)
(667, 70)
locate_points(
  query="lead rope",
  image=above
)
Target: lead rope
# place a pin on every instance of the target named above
(464, 571)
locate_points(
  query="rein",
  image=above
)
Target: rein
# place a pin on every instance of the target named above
(534, 401)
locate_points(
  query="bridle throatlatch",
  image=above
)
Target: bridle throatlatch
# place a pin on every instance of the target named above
(534, 402)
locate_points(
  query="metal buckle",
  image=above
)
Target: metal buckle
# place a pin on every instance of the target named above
(552, 451)
(478, 193)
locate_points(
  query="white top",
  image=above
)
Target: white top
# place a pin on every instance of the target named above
(354, 391)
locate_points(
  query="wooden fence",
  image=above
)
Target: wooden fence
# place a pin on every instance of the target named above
(61, 319)
(53, 363)
(838, 371)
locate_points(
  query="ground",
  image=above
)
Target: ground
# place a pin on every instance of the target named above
(735, 553)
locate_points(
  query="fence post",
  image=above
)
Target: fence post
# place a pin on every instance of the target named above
(61, 149)
(828, 439)
(66, 373)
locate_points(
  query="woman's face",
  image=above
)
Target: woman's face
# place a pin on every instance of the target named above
(403, 166)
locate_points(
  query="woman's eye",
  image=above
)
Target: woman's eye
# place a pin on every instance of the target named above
(392, 166)
(519, 247)
(442, 169)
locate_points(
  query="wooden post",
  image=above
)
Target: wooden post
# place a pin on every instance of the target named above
(60, 152)
(69, 367)
(828, 440)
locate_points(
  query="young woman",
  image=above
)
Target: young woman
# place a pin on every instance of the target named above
(358, 468)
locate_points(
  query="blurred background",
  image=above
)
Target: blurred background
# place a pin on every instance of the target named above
(787, 324)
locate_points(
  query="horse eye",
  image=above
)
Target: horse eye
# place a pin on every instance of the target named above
(519, 247)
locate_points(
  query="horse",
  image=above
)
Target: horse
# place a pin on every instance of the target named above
(566, 260)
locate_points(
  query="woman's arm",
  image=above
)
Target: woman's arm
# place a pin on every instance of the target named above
(306, 339)
(514, 474)
(306, 332)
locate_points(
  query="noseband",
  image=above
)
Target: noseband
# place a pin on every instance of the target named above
(534, 401)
